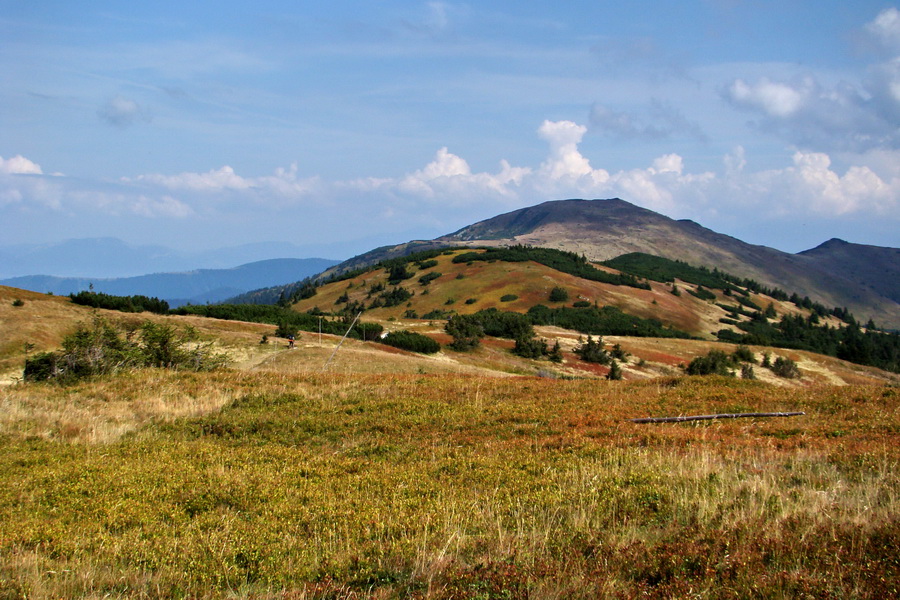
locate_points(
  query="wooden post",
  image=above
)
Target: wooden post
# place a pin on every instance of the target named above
(710, 417)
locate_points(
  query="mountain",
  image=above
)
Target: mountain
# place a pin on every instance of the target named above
(196, 287)
(873, 267)
(861, 278)
(109, 257)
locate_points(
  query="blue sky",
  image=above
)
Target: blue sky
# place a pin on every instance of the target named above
(197, 125)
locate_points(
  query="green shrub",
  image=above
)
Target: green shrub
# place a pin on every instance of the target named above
(530, 347)
(286, 329)
(412, 341)
(42, 367)
(786, 368)
(715, 362)
(558, 294)
(702, 293)
(136, 303)
(397, 273)
(581, 304)
(395, 297)
(18, 302)
(615, 372)
(508, 297)
(466, 330)
(592, 351)
(100, 349)
(747, 372)
(744, 354)
(429, 277)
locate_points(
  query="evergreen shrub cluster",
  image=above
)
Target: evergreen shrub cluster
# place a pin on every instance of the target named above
(412, 341)
(99, 348)
(131, 304)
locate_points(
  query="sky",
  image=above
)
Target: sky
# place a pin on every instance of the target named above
(198, 125)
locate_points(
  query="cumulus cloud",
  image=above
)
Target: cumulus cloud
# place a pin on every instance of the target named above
(808, 185)
(565, 160)
(19, 165)
(848, 116)
(844, 117)
(122, 112)
(774, 99)
(447, 189)
(214, 180)
(811, 183)
(884, 30)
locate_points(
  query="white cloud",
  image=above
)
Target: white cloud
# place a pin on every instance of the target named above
(122, 112)
(885, 30)
(773, 99)
(214, 180)
(19, 165)
(447, 190)
(166, 206)
(812, 181)
(846, 116)
(565, 161)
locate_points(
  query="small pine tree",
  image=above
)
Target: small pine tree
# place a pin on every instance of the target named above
(558, 294)
(555, 353)
(785, 367)
(615, 372)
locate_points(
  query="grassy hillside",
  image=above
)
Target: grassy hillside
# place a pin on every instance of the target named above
(517, 286)
(389, 474)
(42, 321)
(421, 486)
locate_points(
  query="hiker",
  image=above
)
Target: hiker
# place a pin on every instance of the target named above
(291, 342)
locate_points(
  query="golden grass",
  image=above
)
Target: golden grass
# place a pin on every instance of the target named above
(104, 410)
(327, 485)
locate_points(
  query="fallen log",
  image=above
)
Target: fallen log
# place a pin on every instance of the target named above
(710, 417)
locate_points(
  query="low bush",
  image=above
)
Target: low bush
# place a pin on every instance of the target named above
(558, 294)
(99, 348)
(412, 341)
(715, 362)
(592, 351)
(786, 368)
(136, 303)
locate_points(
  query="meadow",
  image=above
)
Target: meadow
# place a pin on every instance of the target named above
(156, 484)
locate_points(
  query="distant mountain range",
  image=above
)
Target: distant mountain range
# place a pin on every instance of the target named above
(865, 279)
(195, 287)
(105, 258)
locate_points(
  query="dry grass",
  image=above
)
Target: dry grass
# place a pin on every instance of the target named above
(102, 411)
(330, 485)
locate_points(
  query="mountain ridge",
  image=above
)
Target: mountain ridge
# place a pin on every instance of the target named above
(602, 229)
(197, 286)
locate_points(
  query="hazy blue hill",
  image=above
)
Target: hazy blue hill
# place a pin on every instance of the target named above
(198, 286)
